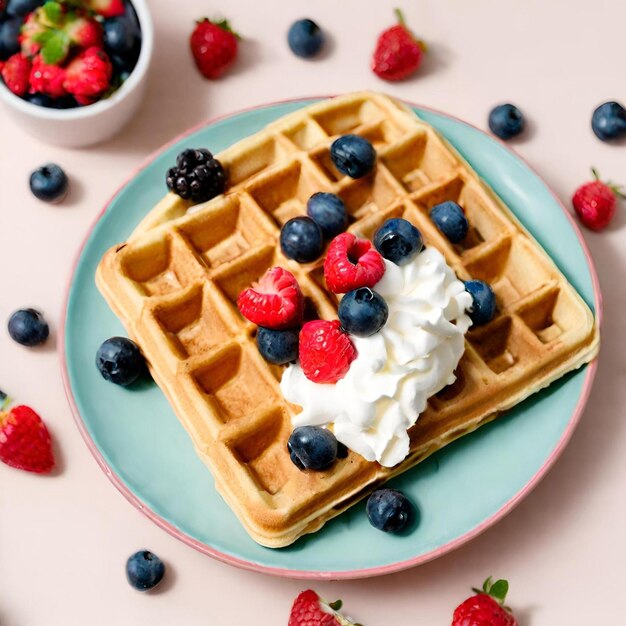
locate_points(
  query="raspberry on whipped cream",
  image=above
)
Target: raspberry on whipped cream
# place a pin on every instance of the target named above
(397, 369)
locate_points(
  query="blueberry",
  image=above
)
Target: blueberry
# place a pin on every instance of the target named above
(65, 102)
(144, 570)
(22, 8)
(9, 33)
(49, 183)
(398, 240)
(312, 447)
(28, 327)
(450, 219)
(305, 38)
(483, 301)
(301, 239)
(329, 211)
(353, 155)
(278, 346)
(119, 360)
(363, 312)
(609, 121)
(388, 510)
(506, 121)
(120, 36)
(41, 100)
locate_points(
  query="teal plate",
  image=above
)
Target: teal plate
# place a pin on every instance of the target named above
(460, 491)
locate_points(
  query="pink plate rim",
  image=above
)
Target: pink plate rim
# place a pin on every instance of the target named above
(349, 574)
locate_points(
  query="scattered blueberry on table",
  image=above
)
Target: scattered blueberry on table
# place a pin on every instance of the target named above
(483, 301)
(506, 121)
(28, 327)
(389, 510)
(353, 155)
(398, 240)
(609, 121)
(363, 312)
(144, 570)
(301, 239)
(329, 211)
(278, 346)
(120, 361)
(49, 183)
(450, 219)
(305, 38)
(312, 448)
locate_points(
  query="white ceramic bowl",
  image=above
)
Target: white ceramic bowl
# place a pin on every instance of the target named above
(88, 125)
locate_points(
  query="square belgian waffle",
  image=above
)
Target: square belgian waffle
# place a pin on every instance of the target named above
(175, 283)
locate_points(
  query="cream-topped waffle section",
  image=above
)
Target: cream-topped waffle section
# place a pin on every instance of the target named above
(175, 284)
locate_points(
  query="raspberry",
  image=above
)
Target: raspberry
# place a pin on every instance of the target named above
(47, 79)
(352, 263)
(325, 351)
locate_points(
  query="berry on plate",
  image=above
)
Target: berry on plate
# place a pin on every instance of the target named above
(197, 176)
(609, 121)
(398, 53)
(275, 301)
(49, 183)
(9, 37)
(485, 607)
(352, 263)
(506, 121)
(16, 74)
(214, 47)
(312, 448)
(483, 301)
(398, 240)
(88, 76)
(144, 570)
(305, 38)
(106, 8)
(450, 219)
(389, 510)
(25, 441)
(325, 351)
(278, 346)
(595, 202)
(120, 361)
(28, 327)
(329, 212)
(353, 155)
(362, 312)
(310, 610)
(301, 239)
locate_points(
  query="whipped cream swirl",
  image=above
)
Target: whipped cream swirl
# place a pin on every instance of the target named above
(397, 369)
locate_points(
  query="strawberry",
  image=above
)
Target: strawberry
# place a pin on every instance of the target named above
(88, 76)
(352, 263)
(29, 33)
(398, 53)
(274, 302)
(25, 441)
(486, 607)
(214, 47)
(595, 202)
(16, 74)
(106, 8)
(85, 32)
(310, 610)
(47, 79)
(325, 351)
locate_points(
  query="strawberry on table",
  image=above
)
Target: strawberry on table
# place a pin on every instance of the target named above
(214, 47)
(274, 302)
(595, 202)
(310, 610)
(398, 53)
(16, 74)
(486, 607)
(25, 441)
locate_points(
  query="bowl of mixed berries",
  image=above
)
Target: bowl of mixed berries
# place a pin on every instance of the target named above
(73, 72)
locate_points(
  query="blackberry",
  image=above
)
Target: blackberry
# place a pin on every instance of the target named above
(197, 176)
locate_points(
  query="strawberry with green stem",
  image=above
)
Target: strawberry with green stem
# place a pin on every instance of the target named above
(486, 606)
(595, 202)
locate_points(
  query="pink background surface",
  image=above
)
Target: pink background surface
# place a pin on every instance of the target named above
(64, 539)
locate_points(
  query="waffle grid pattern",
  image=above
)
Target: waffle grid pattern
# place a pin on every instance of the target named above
(176, 282)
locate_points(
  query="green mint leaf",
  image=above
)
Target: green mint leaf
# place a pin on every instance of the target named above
(53, 11)
(56, 48)
(499, 589)
(42, 37)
